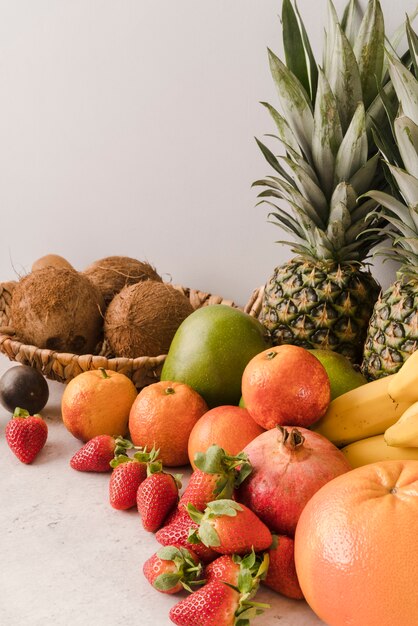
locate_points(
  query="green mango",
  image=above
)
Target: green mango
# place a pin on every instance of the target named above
(342, 375)
(210, 350)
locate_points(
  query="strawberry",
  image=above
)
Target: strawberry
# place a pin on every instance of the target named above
(26, 435)
(224, 569)
(229, 528)
(172, 569)
(216, 476)
(224, 602)
(281, 575)
(157, 496)
(215, 604)
(96, 454)
(128, 473)
(176, 531)
(231, 568)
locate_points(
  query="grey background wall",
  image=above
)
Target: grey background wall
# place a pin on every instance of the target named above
(127, 127)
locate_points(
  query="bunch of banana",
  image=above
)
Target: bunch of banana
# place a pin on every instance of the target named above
(374, 449)
(376, 421)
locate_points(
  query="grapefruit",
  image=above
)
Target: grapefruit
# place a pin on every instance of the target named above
(354, 547)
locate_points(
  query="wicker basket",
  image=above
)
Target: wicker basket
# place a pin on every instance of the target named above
(62, 366)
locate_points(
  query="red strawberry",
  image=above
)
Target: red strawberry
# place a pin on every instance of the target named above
(97, 453)
(224, 569)
(281, 575)
(26, 435)
(157, 496)
(230, 528)
(128, 473)
(176, 531)
(221, 603)
(172, 569)
(215, 604)
(231, 569)
(217, 476)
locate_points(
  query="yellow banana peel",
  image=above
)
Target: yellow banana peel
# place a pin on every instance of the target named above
(362, 412)
(405, 431)
(373, 449)
(403, 386)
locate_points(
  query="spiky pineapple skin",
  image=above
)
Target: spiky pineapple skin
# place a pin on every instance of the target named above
(393, 330)
(320, 304)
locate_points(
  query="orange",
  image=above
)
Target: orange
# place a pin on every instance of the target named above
(163, 416)
(230, 427)
(97, 402)
(285, 385)
(356, 547)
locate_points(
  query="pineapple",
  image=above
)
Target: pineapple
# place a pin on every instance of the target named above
(393, 329)
(323, 298)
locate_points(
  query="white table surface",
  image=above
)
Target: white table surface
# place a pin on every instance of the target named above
(68, 558)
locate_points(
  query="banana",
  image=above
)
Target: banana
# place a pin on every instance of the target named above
(362, 412)
(403, 386)
(373, 449)
(405, 431)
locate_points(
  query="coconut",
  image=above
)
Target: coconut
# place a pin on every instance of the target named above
(113, 273)
(59, 309)
(51, 260)
(142, 319)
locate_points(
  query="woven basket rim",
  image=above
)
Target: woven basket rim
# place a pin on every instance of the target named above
(60, 365)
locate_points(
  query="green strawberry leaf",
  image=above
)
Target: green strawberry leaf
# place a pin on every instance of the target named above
(121, 445)
(210, 461)
(194, 513)
(121, 458)
(208, 535)
(193, 536)
(245, 581)
(154, 467)
(264, 566)
(188, 585)
(248, 561)
(163, 582)
(243, 473)
(146, 457)
(19, 412)
(222, 507)
(169, 553)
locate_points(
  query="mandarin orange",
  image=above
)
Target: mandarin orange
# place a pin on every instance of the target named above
(355, 547)
(230, 427)
(163, 416)
(97, 402)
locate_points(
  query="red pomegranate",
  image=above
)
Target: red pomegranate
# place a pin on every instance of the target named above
(289, 466)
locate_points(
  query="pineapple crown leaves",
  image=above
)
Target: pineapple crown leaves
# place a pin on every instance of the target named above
(399, 150)
(232, 470)
(326, 127)
(189, 573)
(206, 533)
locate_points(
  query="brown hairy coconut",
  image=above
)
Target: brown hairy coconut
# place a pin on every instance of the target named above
(51, 260)
(142, 319)
(59, 309)
(113, 273)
